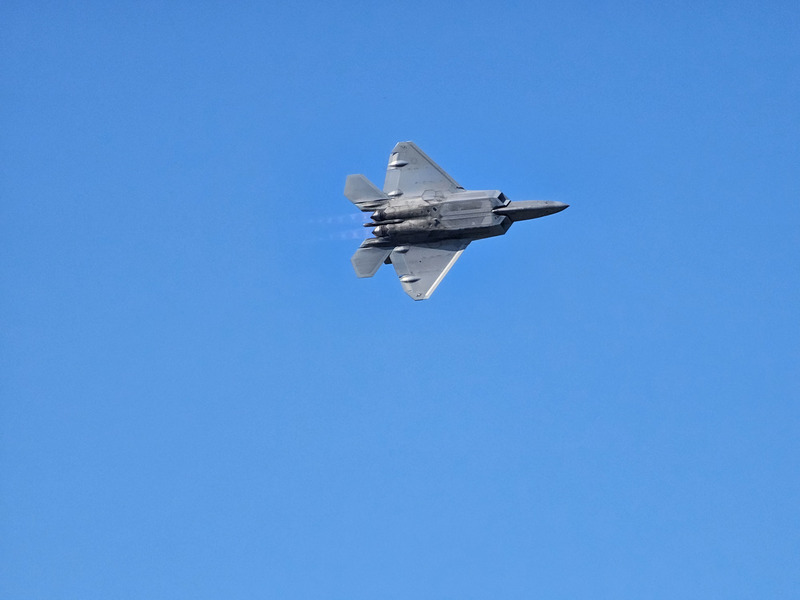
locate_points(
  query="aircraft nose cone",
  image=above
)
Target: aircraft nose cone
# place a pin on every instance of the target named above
(552, 207)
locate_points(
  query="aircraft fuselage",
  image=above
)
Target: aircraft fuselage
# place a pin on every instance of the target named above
(473, 215)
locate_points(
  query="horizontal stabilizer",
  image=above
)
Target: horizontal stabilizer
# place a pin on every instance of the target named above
(367, 261)
(363, 193)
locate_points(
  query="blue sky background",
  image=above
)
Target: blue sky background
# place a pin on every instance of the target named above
(201, 400)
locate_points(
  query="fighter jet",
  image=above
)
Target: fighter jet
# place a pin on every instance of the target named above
(423, 220)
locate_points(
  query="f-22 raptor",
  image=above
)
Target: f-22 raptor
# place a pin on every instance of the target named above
(423, 220)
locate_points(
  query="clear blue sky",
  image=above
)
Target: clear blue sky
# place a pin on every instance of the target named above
(201, 400)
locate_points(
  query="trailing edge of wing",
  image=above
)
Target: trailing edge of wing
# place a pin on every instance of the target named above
(421, 267)
(367, 260)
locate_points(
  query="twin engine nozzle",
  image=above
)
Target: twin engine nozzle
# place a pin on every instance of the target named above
(383, 222)
(395, 215)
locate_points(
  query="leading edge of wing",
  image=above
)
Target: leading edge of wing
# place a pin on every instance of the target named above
(411, 172)
(421, 267)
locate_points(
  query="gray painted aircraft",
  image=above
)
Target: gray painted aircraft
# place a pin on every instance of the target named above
(423, 220)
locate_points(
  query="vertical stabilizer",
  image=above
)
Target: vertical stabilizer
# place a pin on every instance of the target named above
(363, 193)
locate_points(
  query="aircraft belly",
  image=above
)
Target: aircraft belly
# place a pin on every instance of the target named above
(455, 229)
(475, 226)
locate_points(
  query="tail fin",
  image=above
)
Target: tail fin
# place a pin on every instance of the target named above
(367, 261)
(363, 193)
